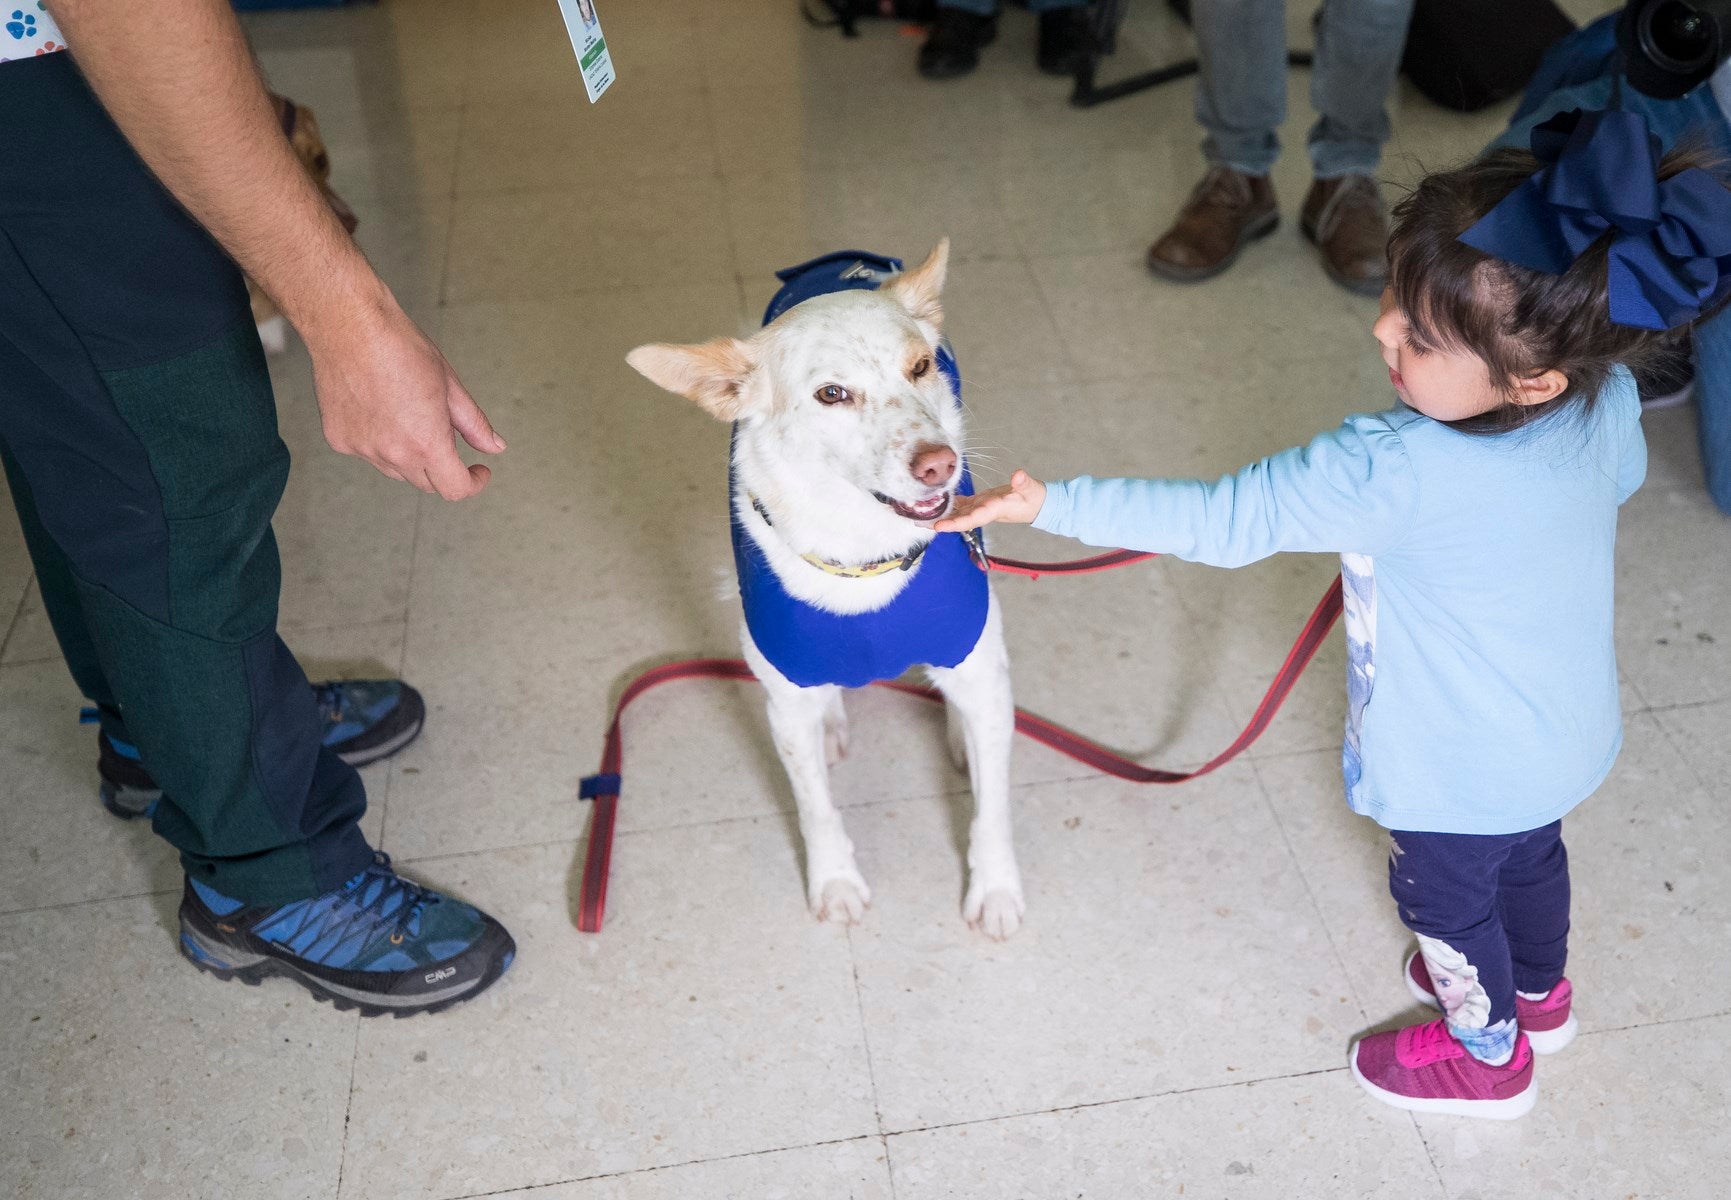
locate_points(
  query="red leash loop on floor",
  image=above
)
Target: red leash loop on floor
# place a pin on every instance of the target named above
(603, 787)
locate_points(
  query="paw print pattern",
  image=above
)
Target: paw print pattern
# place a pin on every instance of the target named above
(22, 25)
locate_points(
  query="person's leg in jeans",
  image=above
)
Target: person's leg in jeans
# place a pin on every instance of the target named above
(1240, 103)
(1533, 898)
(1358, 52)
(1241, 89)
(1448, 890)
(1713, 404)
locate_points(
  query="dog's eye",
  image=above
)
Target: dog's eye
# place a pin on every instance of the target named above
(833, 393)
(921, 367)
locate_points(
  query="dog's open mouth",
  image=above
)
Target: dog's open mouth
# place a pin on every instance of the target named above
(924, 510)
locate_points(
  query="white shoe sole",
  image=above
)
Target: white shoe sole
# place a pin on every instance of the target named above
(1549, 1041)
(1543, 1041)
(1510, 1109)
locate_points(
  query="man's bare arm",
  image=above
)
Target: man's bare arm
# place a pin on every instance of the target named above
(178, 78)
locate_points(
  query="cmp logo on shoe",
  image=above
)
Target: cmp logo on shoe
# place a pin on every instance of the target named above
(446, 973)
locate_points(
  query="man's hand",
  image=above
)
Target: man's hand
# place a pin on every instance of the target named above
(177, 77)
(1017, 501)
(387, 395)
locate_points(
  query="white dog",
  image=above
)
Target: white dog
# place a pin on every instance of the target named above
(847, 446)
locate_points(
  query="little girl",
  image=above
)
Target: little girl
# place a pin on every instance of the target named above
(1475, 522)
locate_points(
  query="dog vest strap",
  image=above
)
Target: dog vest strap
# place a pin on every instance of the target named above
(604, 786)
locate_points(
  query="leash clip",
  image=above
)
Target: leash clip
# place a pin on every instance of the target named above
(976, 540)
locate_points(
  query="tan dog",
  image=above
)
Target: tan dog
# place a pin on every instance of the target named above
(302, 132)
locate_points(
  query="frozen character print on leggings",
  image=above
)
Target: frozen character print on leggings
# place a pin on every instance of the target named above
(1465, 1004)
(1358, 579)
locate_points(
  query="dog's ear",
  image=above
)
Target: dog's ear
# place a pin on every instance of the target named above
(712, 374)
(918, 290)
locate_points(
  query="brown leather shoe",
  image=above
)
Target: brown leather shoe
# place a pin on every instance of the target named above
(1347, 220)
(1227, 211)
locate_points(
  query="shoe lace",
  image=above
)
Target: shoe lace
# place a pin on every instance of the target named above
(1222, 185)
(1350, 191)
(1430, 1034)
(376, 898)
(1429, 1038)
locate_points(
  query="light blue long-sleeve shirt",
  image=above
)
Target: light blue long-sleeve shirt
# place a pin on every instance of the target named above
(1481, 675)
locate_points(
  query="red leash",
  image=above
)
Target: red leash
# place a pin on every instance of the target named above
(603, 787)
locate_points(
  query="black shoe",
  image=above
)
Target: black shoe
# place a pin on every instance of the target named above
(953, 47)
(377, 943)
(1064, 40)
(363, 720)
(127, 789)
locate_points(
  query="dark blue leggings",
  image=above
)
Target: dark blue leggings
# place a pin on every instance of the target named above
(1492, 915)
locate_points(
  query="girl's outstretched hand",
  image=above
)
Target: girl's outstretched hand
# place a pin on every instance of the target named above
(1018, 501)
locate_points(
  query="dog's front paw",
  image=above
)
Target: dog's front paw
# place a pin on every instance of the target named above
(995, 911)
(843, 900)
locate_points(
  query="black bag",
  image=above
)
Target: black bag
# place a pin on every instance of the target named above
(1465, 54)
(844, 13)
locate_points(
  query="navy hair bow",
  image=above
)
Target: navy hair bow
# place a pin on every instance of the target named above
(1670, 257)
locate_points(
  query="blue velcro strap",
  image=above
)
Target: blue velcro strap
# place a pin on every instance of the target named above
(598, 785)
(88, 716)
(838, 272)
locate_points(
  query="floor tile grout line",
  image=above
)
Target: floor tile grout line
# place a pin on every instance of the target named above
(443, 291)
(1680, 706)
(1309, 891)
(1076, 369)
(86, 903)
(1114, 1101)
(517, 1189)
(1429, 1154)
(866, 1045)
(295, 630)
(348, 1109)
(886, 1135)
(402, 657)
(18, 619)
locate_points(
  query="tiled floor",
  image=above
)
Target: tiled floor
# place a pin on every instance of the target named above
(1173, 1019)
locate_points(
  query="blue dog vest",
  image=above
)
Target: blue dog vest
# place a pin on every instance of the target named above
(935, 619)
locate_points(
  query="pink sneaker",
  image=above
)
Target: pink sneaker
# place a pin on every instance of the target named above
(1548, 1023)
(1423, 1068)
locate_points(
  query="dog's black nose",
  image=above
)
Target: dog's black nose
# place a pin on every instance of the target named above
(933, 465)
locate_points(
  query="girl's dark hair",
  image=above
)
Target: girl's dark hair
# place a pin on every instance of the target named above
(1520, 322)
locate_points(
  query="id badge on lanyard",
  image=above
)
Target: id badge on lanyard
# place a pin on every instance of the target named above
(584, 26)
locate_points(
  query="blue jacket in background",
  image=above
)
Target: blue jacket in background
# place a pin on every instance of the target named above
(1582, 71)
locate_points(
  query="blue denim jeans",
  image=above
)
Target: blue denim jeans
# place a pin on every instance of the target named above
(986, 8)
(1713, 404)
(1241, 96)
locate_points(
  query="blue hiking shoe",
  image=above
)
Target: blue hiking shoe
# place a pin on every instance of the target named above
(377, 943)
(364, 720)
